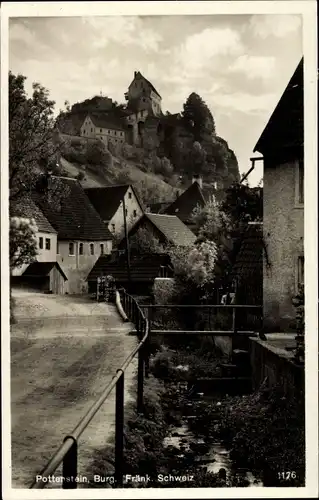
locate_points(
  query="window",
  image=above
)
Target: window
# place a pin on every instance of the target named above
(301, 264)
(102, 248)
(91, 129)
(81, 249)
(115, 132)
(57, 248)
(100, 130)
(130, 195)
(113, 228)
(47, 243)
(92, 248)
(40, 242)
(134, 213)
(71, 248)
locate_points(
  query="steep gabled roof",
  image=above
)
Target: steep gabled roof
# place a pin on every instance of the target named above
(172, 228)
(184, 205)
(26, 207)
(68, 209)
(249, 259)
(143, 267)
(285, 129)
(106, 120)
(139, 75)
(38, 269)
(106, 200)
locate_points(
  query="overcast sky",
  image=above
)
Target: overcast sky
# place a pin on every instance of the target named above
(239, 64)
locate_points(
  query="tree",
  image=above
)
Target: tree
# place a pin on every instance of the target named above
(198, 117)
(243, 204)
(194, 264)
(31, 126)
(23, 241)
(144, 242)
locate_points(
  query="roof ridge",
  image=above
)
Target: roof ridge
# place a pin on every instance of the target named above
(163, 215)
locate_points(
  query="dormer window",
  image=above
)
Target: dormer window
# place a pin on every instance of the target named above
(130, 195)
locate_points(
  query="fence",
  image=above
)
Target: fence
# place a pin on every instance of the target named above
(67, 454)
(213, 319)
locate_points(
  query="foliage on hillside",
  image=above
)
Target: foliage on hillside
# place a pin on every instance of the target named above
(193, 148)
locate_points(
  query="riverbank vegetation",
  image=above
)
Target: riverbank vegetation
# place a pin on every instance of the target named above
(263, 431)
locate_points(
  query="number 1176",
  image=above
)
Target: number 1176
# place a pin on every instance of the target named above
(286, 475)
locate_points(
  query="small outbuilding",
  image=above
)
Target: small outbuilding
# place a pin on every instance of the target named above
(45, 276)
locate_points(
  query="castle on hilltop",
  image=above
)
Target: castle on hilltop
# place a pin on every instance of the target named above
(141, 121)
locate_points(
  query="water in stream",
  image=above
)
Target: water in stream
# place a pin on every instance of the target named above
(215, 459)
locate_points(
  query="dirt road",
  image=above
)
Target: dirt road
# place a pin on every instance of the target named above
(58, 368)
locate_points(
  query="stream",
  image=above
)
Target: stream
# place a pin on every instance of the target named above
(215, 458)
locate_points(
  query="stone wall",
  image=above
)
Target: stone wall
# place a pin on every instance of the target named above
(271, 361)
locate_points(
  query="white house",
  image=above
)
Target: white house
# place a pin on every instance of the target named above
(107, 128)
(108, 202)
(46, 235)
(81, 234)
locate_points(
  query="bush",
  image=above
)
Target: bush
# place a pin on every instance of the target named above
(164, 291)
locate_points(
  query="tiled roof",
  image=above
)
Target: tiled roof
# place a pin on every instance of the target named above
(184, 205)
(285, 126)
(27, 208)
(42, 269)
(106, 120)
(173, 229)
(143, 267)
(249, 260)
(106, 200)
(69, 210)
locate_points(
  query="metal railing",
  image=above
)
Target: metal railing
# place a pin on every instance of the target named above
(67, 453)
(242, 316)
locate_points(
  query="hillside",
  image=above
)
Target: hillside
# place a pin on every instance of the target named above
(104, 168)
(159, 150)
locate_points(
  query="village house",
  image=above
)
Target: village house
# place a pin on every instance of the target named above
(113, 203)
(108, 128)
(81, 235)
(282, 146)
(166, 229)
(195, 196)
(44, 273)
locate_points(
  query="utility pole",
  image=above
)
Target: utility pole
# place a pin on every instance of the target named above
(128, 263)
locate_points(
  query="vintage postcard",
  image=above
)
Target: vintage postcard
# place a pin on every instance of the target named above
(159, 254)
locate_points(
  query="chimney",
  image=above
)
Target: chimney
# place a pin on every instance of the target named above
(198, 178)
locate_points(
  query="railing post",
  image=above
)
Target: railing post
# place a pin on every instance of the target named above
(147, 351)
(119, 430)
(70, 466)
(140, 379)
(234, 328)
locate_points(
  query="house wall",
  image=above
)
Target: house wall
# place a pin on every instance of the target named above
(43, 254)
(156, 104)
(106, 135)
(283, 236)
(77, 267)
(116, 224)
